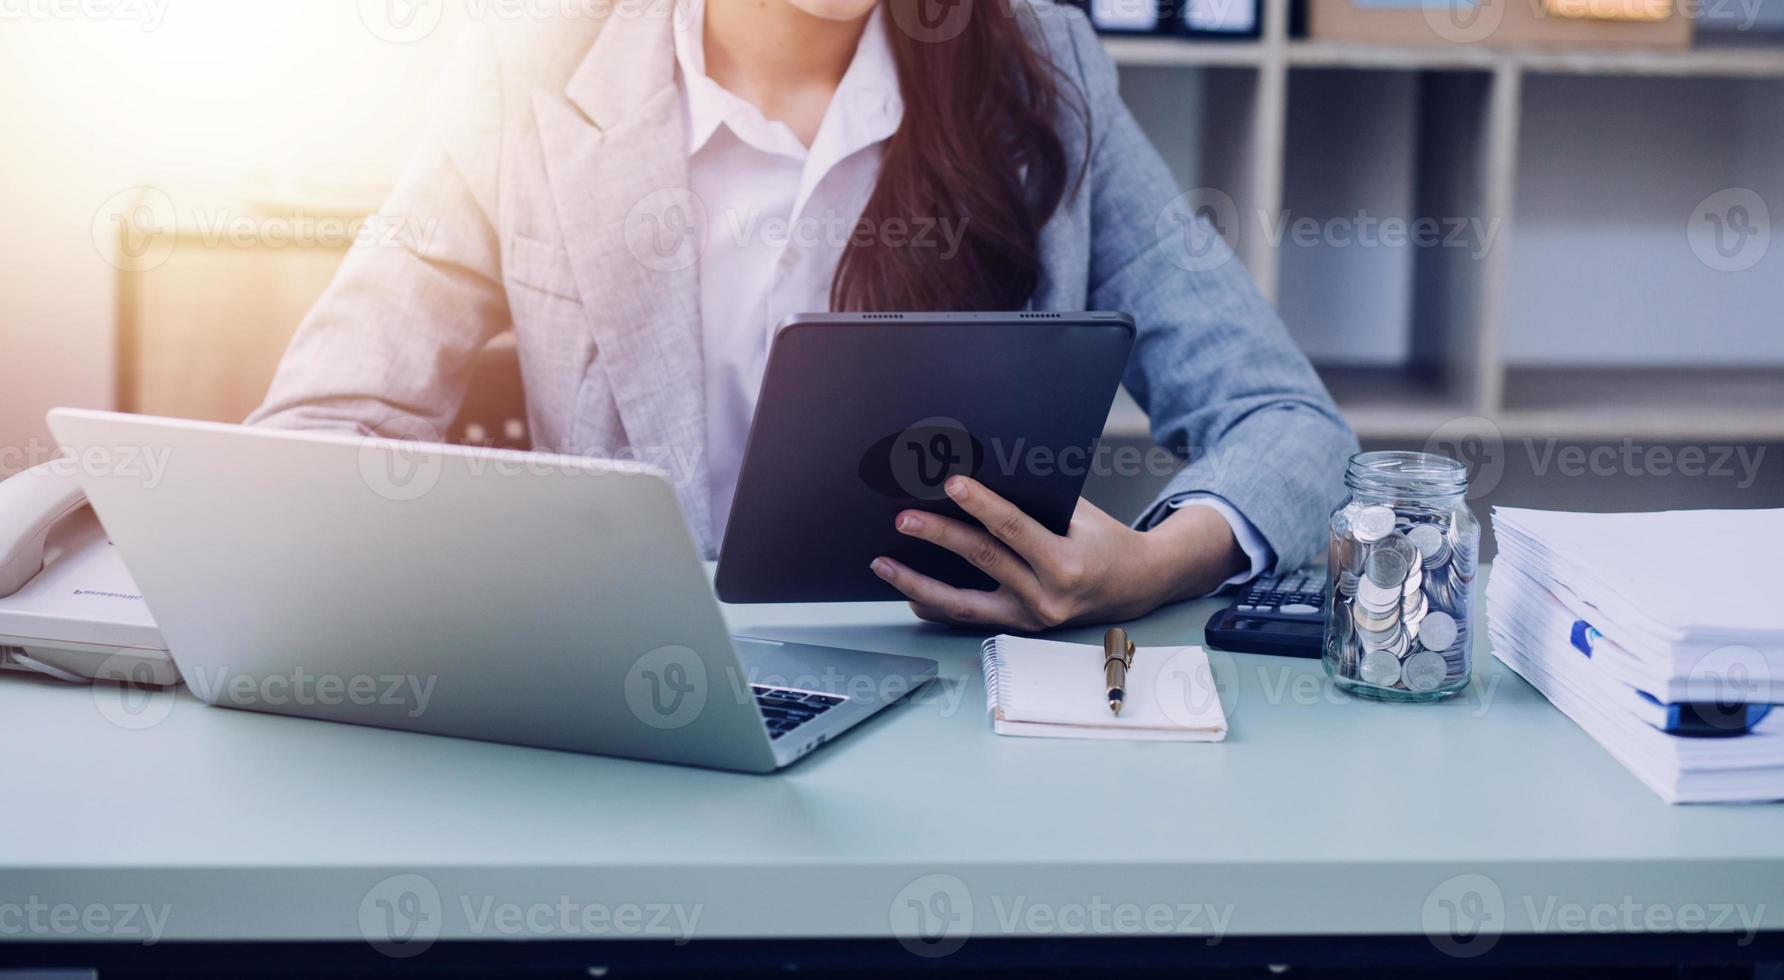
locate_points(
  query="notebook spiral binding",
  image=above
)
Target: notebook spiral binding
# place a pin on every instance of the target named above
(993, 663)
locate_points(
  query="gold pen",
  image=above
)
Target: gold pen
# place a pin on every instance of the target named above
(1118, 656)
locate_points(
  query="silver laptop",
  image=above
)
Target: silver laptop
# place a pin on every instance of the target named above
(541, 600)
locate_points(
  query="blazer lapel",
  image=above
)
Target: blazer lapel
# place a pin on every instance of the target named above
(616, 154)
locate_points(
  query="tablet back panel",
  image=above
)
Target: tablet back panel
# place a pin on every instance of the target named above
(863, 416)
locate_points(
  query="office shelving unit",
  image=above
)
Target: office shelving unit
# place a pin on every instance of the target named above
(1588, 317)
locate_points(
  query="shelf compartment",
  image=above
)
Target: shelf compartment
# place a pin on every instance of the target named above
(1735, 403)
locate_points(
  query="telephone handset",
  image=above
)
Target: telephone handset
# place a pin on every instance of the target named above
(68, 607)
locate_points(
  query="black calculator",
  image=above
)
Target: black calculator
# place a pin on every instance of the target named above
(1280, 614)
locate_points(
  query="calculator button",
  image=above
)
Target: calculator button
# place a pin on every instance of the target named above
(1246, 608)
(1298, 609)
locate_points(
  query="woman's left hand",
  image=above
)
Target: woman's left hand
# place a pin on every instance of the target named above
(1101, 570)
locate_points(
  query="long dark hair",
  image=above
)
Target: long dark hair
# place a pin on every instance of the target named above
(979, 152)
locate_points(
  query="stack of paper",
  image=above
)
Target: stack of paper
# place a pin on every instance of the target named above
(1662, 635)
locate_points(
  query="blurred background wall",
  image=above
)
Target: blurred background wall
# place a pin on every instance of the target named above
(1593, 321)
(217, 101)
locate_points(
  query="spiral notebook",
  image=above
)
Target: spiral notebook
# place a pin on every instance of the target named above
(1049, 689)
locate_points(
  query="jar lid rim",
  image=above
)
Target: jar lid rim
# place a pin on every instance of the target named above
(1433, 471)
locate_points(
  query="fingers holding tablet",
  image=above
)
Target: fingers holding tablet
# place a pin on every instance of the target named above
(1029, 563)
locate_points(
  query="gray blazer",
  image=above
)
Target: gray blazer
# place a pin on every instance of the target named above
(537, 206)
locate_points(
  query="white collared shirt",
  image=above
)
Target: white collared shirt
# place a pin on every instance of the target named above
(778, 217)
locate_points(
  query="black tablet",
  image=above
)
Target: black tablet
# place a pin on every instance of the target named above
(865, 415)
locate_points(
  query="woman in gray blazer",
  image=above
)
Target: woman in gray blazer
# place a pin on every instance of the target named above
(640, 192)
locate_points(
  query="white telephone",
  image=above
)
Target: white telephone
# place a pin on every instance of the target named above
(68, 607)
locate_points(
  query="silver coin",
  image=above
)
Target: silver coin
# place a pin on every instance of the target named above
(1414, 609)
(1374, 629)
(1437, 591)
(1347, 582)
(1380, 668)
(1399, 543)
(1438, 631)
(1425, 671)
(1348, 552)
(1427, 539)
(1378, 597)
(1386, 568)
(1415, 581)
(1340, 620)
(1373, 523)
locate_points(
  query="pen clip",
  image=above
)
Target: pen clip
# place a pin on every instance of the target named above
(1117, 646)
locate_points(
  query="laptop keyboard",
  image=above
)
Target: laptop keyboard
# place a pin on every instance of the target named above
(784, 710)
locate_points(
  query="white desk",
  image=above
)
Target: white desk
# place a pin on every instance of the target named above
(1318, 817)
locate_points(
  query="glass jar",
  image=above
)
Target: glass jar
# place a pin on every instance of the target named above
(1400, 582)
